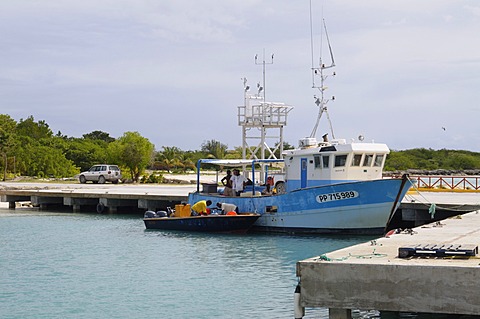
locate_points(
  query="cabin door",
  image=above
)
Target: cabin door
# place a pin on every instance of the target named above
(303, 172)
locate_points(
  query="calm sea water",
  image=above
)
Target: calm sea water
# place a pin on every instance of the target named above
(65, 265)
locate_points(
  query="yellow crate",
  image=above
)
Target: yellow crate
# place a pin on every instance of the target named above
(182, 210)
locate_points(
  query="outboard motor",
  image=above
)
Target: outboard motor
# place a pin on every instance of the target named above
(161, 213)
(149, 214)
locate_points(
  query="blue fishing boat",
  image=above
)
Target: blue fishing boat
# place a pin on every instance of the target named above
(325, 186)
(310, 205)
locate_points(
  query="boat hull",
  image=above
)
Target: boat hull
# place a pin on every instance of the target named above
(362, 207)
(211, 223)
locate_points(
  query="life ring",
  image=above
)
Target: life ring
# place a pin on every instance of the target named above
(100, 208)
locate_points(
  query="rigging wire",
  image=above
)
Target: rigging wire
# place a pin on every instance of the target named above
(329, 45)
(311, 44)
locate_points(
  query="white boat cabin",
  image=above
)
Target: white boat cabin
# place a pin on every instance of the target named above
(322, 163)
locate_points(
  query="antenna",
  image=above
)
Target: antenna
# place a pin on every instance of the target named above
(311, 43)
(263, 63)
(321, 101)
(329, 46)
(246, 88)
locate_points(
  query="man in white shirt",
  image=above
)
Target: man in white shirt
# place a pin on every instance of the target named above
(225, 207)
(238, 182)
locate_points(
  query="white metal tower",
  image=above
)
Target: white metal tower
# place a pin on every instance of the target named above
(262, 126)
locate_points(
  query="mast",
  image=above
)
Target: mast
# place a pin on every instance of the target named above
(261, 89)
(264, 64)
(321, 101)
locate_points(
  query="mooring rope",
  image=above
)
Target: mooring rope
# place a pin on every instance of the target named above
(374, 254)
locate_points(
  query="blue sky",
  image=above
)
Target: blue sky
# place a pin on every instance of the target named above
(172, 70)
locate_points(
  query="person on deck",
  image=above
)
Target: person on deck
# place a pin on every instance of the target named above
(200, 207)
(238, 182)
(267, 190)
(227, 182)
(225, 207)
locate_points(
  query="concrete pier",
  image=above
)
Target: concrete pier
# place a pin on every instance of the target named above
(373, 276)
(78, 203)
(416, 208)
(104, 198)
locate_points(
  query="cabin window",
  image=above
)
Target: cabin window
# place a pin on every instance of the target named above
(357, 159)
(325, 160)
(340, 160)
(317, 161)
(368, 160)
(378, 160)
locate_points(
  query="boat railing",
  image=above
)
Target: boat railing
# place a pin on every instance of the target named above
(264, 113)
(466, 183)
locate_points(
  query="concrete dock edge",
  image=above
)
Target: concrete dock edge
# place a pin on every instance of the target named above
(372, 276)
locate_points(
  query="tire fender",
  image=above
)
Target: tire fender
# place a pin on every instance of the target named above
(100, 208)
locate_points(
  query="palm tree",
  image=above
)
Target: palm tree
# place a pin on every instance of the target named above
(215, 148)
(169, 157)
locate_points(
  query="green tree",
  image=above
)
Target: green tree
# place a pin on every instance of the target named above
(169, 157)
(398, 161)
(461, 161)
(172, 158)
(7, 140)
(170, 152)
(214, 149)
(236, 153)
(86, 152)
(189, 160)
(286, 146)
(40, 153)
(34, 130)
(428, 159)
(44, 161)
(132, 151)
(99, 135)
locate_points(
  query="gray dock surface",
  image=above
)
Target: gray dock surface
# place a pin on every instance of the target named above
(372, 276)
(109, 196)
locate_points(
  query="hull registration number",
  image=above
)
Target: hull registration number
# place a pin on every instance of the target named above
(336, 196)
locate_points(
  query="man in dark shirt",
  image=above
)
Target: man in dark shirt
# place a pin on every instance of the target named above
(227, 182)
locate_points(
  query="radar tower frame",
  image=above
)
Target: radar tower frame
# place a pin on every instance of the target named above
(261, 122)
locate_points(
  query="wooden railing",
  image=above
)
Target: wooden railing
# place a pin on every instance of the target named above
(448, 182)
